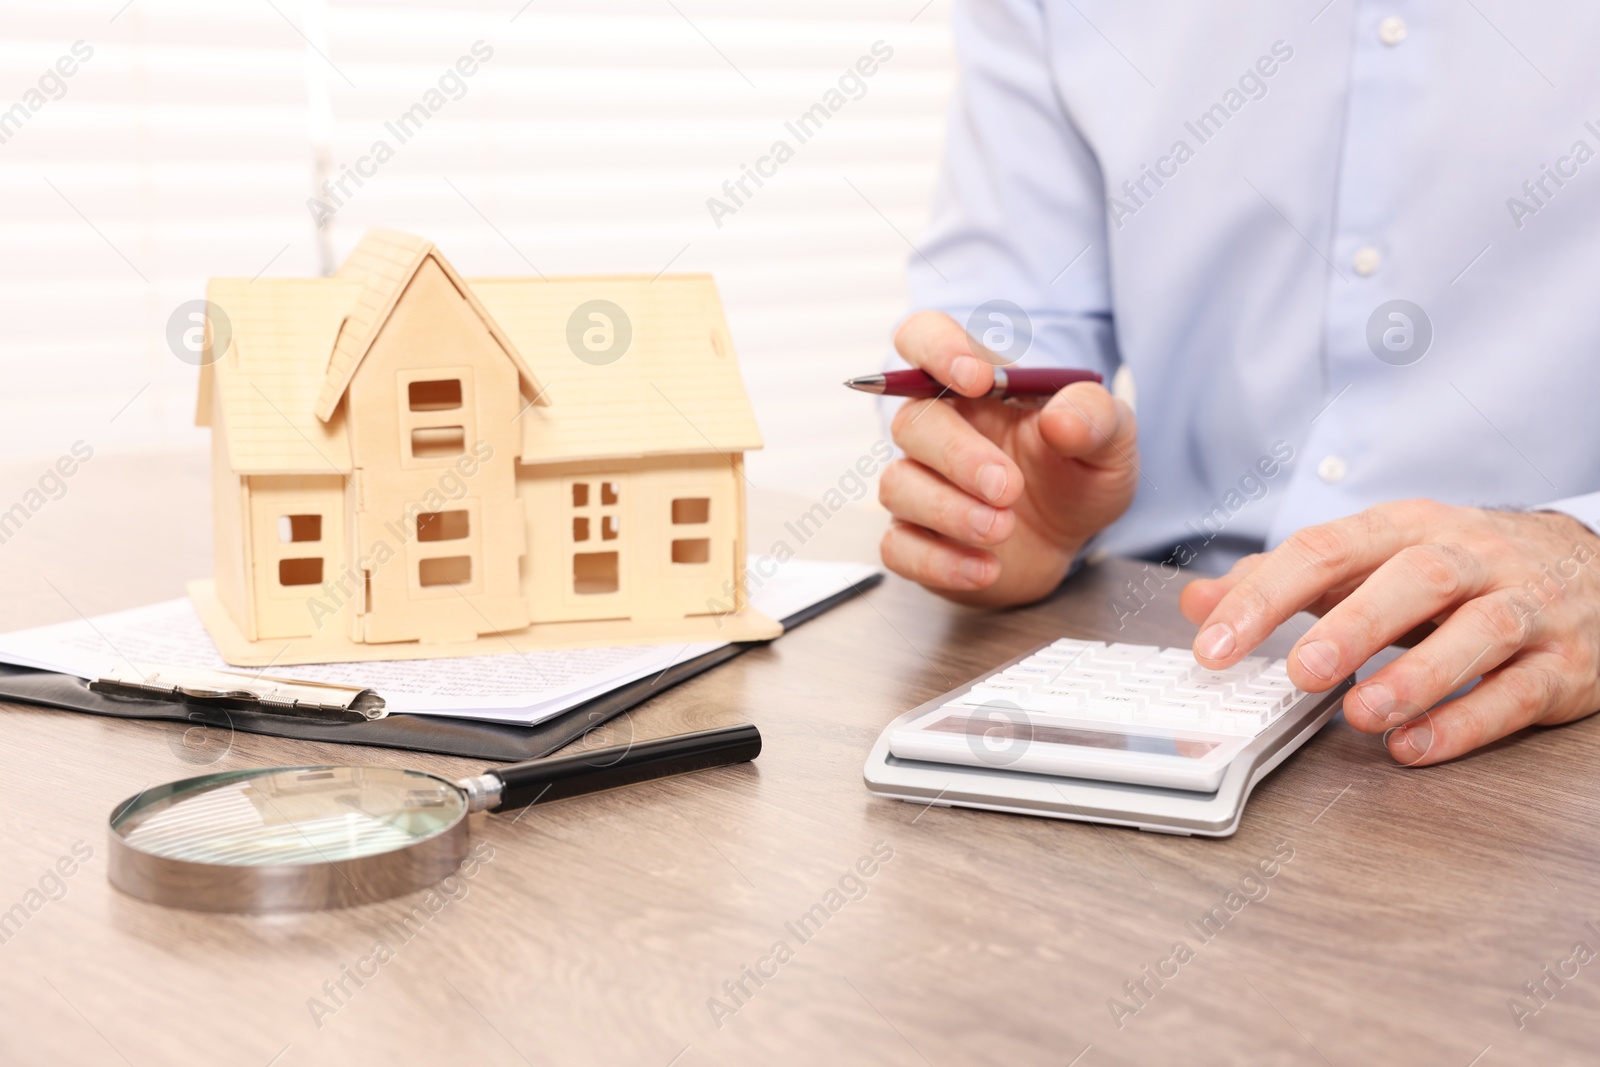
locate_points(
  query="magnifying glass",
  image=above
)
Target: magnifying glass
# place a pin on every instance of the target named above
(278, 839)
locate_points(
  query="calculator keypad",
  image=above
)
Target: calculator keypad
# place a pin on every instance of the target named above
(1092, 681)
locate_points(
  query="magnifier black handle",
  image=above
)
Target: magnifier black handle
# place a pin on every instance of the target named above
(556, 777)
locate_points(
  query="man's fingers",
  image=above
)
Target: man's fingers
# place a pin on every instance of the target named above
(936, 343)
(1201, 596)
(1410, 587)
(1208, 592)
(1300, 571)
(1085, 422)
(1517, 695)
(914, 553)
(934, 434)
(1476, 638)
(915, 494)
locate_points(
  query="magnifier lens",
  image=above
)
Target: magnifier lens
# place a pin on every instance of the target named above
(292, 815)
(343, 829)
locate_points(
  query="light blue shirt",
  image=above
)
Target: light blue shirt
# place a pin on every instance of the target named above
(1221, 197)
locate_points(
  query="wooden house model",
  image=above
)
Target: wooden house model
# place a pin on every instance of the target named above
(406, 463)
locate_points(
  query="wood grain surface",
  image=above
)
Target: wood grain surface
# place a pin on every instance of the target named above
(1412, 906)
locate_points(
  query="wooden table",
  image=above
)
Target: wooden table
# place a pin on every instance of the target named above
(606, 930)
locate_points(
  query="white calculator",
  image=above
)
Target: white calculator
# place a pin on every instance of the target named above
(1136, 735)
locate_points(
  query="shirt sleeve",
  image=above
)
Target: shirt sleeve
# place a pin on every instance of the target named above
(1019, 212)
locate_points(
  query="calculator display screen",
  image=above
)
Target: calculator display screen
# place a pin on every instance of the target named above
(1005, 730)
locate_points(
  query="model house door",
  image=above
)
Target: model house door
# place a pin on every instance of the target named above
(695, 553)
(441, 573)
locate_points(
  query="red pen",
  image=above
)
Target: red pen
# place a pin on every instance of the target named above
(1008, 382)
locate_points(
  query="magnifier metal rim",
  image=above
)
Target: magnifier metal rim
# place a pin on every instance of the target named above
(286, 887)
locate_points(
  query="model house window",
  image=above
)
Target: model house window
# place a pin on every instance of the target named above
(597, 517)
(691, 511)
(687, 510)
(594, 572)
(692, 550)
(434, 442)
(443, 395)
(299, 528)
(445, 570)
(300, 571)
(436, 415)
(442, 525)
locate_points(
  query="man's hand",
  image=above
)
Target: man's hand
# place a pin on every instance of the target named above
(1516, 599)
(994, 500)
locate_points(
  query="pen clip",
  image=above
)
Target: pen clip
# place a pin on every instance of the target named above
(265, 693)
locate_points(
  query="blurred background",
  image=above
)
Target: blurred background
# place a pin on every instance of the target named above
(191, 134)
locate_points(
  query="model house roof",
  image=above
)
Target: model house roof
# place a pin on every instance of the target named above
(268, 379)
(675, 389)
(296, 344)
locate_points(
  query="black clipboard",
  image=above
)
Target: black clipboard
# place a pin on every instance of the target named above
(417, 733)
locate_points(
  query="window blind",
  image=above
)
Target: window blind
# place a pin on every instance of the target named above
(554, 137)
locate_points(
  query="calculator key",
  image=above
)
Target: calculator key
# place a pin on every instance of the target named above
(1259, 712)
(1237, 720)
(1203, 689)
(1168, 667)
(1147, 673)
(1116, 708)
(1281, 698)
(1080, 682)
(1051, 703)
(1201, 714)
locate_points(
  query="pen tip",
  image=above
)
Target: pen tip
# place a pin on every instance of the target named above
(871, 383)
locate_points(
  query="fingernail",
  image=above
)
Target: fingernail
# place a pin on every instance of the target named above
(981, 518)
(992, 480)
(1417, 738)
(964, 372)
(1319, 658)
(1378, 699)
(1215, 641)
(973, 570)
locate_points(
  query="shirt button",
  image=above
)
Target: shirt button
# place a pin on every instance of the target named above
(1332, 469)
(1392, 30)
(1367, 261)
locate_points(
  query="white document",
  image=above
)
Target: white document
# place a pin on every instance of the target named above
(518, 687)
